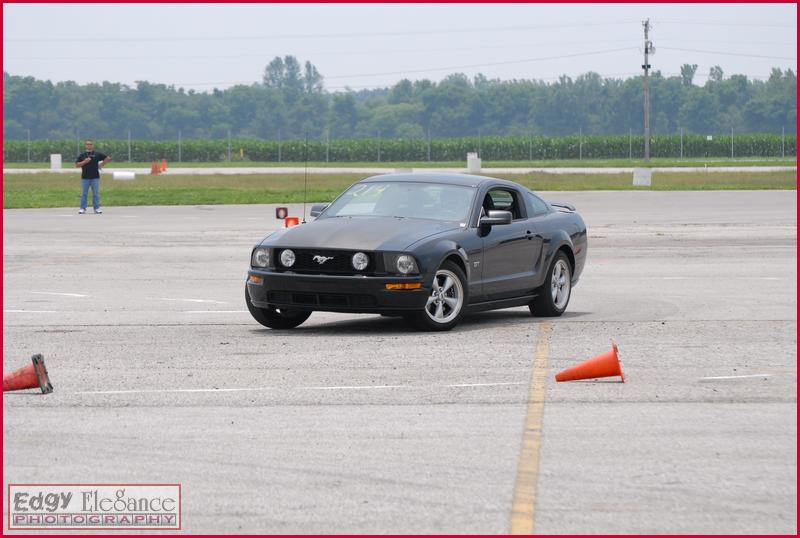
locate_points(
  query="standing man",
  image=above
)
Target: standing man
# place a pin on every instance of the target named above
(90, 162)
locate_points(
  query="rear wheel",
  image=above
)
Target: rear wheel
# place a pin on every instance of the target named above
(273, 317)
(445, 306)
(557, 289)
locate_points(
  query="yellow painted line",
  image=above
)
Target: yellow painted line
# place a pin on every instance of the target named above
(523, 505)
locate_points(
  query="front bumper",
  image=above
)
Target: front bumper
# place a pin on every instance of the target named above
(357, 294)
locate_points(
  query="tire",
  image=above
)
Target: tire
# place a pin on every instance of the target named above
(448, 300)
(557, 289)
(275, 318)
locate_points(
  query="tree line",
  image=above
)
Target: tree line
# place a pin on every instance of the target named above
(290, 102)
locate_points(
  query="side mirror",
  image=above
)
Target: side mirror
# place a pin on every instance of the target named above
(496, 218)
(316, 210)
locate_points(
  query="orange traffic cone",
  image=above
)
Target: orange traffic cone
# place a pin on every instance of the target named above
(163, 165)
(29, 377)
(288, 222)
(153, 168)
(604, 365)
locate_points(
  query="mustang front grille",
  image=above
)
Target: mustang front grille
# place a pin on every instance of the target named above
(325, 261)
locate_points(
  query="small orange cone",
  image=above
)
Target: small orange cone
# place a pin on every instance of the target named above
(604, 365)
(163, 165)
(288, 222)
(153, 168)
(29, 377)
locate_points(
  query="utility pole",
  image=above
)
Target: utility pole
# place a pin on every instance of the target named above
(783, 142)
(648, 49)
(530, 146)
(630, 143)
(429, 144)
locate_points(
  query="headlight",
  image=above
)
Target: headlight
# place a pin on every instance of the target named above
(260, 257)
(287, 258)
(360, 261)
(406, 264)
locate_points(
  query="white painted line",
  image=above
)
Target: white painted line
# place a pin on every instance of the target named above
(485, 384)
(362, 387)
(29, 311)
(215, 312)
(192, 300)
(733, 277)
(253, 389)
(61, 294)
(734, 377)
(157, 391)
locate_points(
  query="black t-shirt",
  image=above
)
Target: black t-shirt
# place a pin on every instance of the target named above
(91, 170)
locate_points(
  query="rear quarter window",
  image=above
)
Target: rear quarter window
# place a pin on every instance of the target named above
(536, 206)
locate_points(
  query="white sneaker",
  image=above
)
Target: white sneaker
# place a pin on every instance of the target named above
(98, 210)
(81, 211)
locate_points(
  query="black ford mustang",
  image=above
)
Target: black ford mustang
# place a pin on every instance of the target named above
(428, 247)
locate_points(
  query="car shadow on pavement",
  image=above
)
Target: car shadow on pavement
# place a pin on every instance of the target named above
(395, 325)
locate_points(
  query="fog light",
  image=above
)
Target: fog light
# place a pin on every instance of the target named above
(287, 258)
(404, 286)
(360, 261)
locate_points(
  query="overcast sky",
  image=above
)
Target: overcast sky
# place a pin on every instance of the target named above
(203, 46)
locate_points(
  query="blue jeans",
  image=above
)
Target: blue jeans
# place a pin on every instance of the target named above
(95, 184)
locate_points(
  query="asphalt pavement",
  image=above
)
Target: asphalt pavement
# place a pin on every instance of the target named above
(358, 424)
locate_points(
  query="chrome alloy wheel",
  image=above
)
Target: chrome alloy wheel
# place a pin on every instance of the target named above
(560, 283)
(447, 297)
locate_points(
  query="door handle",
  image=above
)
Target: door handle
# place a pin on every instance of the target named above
(530, 235)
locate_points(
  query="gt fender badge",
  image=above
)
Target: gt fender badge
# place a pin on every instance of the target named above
(321, 259)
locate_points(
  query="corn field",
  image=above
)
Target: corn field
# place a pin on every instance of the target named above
(490, 148)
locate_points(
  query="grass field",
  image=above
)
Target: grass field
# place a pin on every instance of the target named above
(595, 163)
(61, 190)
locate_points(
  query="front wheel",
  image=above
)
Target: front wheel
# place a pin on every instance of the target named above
(445, 306)
(275, 318)
(553, 300)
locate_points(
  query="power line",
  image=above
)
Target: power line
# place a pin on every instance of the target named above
(434, 69)
(730, 53)
(537, 79)
(311, 36)
(363, 52)
(526, 60)
(604, 76)
(723, 23)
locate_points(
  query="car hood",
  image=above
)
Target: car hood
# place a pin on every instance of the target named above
(358, 233)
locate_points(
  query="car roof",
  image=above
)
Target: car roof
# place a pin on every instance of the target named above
(447, 178)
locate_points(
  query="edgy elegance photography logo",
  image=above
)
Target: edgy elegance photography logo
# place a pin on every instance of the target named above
(94, 506)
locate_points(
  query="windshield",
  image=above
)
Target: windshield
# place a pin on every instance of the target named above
(404, 199)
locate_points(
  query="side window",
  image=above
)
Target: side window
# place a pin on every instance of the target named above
(504, 200)
(536, 205)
